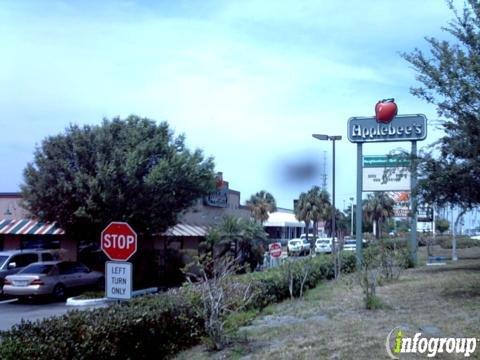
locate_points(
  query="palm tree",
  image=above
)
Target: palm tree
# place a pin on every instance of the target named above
(237, 237)
(302, 210)
(320, 204)
(312, 207)
(378, 208)
(261, 204)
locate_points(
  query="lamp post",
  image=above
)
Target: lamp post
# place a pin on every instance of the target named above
(333, 139)
(351, 216)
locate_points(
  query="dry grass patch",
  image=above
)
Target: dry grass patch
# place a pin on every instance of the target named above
(331, 322)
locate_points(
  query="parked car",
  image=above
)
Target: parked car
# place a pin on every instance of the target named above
(13, 261)
(323, 245)
(298, 247)
(350, 245)
(52, 278)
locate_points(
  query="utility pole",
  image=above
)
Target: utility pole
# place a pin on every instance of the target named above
(335, 248)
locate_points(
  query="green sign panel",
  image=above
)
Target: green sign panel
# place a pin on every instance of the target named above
(383, 161)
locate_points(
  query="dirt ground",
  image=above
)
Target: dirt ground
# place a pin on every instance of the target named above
(332, 323)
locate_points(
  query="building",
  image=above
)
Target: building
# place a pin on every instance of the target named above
(282, 225)
(18, 230)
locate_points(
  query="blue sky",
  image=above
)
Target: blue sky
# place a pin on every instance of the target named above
(246, 81)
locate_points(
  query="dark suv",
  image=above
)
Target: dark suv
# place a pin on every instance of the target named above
(12, 261)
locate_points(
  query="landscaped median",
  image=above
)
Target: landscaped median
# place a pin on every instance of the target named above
(152, 326)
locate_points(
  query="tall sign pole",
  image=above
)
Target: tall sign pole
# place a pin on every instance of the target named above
(386, 126)
(413, 206)
(359, 212)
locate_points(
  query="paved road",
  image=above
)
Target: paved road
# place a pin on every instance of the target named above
(12, 313)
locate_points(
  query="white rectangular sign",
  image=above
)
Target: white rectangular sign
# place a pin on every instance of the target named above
(396, 179)
(401, 211)
(118, 280)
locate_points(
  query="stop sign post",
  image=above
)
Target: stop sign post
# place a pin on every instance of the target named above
(119, 242)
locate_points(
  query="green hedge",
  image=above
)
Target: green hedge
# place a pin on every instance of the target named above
(157, 325)
(160, 324)
(462, 242)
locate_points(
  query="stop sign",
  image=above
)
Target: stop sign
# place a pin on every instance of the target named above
(275, 249)
(118, 241)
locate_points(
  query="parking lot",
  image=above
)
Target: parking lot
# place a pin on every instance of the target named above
(12, 312)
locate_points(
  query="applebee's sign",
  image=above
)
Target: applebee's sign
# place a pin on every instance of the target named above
(387, 126)
(401, 128)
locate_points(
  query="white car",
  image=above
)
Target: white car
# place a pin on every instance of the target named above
(323, 245)
(298, 247)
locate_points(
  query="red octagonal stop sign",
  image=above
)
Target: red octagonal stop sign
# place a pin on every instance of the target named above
(118, 241)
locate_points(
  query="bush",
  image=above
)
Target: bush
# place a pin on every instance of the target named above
(462, 242)
(381, 262)
(274, 284)
(161, 324)
(373, 302)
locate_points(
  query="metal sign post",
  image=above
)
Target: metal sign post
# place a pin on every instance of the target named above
(358, 214)
(413, 205)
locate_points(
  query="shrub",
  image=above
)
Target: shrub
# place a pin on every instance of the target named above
(462, 242)
(158, 325)
(161, 324)
(274, 284)
(373, 302)
(381, 262)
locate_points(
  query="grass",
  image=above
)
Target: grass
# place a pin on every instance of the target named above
(91, 295)
(331, 322)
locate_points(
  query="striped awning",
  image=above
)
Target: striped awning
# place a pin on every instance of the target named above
(34, 227)
(186, 230)
(28, 227)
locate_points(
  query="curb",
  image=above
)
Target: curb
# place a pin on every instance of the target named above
(72, 301)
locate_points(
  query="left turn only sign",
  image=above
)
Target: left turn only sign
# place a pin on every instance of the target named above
(118, 280)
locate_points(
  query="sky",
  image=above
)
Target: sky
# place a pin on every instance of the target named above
(248, 82)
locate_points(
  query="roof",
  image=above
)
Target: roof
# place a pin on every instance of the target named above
(283, 219)
(28, 251)
(28, 227)
(10, 195)
(186, 230)
(34, 227)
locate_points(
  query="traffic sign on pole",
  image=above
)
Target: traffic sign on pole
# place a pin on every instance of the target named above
(118, 241)
(118, 280)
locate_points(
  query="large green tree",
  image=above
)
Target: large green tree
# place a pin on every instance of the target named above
(132, 170)
(449, 77)
(260, 204)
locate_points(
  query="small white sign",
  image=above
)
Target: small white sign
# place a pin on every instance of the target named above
(401, 211)
(118, 280)
(396, 179)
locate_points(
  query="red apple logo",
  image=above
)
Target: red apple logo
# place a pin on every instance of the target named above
(385, 110)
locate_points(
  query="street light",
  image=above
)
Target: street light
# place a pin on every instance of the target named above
(333, 139)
